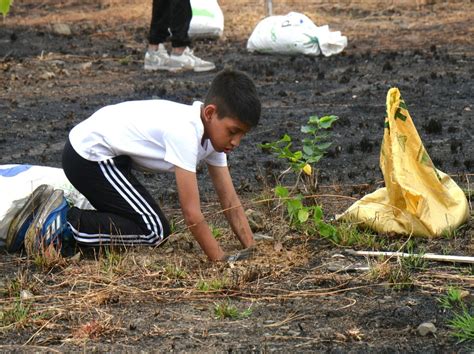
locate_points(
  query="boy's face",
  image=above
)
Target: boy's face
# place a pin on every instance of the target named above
(225, 133)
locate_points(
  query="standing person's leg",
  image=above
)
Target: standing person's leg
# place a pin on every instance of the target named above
(156, 57)
(182, 57)
(180, 17)
(125, 212)
(160, 22)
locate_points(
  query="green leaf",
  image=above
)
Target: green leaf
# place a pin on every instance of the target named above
(286, 138)
(323, 146)
(318, 213)
(293, 206)
(308, 150)
(297, 155)
(326, 230)
(303, 215)
(313, 120)
(281, 192)
(5, 6)
(307, 129)
(314, 159)
(326, 121)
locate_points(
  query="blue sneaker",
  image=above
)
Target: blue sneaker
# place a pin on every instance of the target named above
(48, 225)
(23, 218)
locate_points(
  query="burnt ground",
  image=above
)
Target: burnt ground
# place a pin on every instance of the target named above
(154, 299)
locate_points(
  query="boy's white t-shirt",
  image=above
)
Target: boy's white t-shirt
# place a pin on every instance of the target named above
(156, 134)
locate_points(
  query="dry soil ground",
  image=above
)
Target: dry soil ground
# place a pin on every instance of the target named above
(165, 299)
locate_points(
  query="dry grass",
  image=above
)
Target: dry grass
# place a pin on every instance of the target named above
(77, 297)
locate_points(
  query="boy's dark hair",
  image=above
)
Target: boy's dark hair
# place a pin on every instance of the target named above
(234, 94)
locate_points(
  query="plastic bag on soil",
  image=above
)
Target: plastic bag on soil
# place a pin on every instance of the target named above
(17, 182)
(294, 34)
(207, 20)
(417, 198)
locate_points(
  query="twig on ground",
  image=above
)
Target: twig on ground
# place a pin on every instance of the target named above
(291, 317)
(41, 328)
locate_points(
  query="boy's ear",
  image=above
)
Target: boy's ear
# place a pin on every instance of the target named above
(209, 111)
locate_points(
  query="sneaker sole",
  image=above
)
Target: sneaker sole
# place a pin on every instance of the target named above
(148, 68)
(20, 223)
(200, 70)
(180, 69)
(168, 68)
(37, 238)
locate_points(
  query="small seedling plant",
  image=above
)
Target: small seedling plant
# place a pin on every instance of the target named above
(301, 214)
(302, 217)
(314, 146)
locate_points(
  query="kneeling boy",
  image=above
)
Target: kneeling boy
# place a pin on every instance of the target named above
(159, 135)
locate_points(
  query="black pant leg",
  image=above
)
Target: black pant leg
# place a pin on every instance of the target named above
(181, 15)
(125, 212)
(160, 21)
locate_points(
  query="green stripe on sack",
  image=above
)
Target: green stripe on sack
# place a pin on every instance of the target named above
(312, 43)
(273, 35)
(203, 13)
(399, 115)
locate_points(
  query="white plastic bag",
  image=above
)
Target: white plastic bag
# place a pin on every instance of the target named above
(294, 34)
(417, 199)
(17, 182)
(207, 21)
(330, 42)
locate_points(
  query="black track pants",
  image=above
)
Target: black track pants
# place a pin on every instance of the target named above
(174, 15)
(126, 213)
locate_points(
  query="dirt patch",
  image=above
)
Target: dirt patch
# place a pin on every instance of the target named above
(157, 299)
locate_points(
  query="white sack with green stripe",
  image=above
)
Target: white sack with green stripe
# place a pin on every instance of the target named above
(207, 21)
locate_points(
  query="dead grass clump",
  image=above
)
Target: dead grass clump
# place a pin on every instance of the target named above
(380, 270)
(397, 274)
(48, 258)
(94, 329)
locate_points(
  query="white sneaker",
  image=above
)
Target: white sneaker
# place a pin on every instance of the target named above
(188, 61)
(157, 59)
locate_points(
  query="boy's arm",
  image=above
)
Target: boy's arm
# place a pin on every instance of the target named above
(230, 203)
(190, 205)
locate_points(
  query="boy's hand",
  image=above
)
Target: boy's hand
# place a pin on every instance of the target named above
(190, 205)
(240, 255)
(231, 205)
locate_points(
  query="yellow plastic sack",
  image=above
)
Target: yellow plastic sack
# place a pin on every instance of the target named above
(417, 199)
